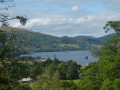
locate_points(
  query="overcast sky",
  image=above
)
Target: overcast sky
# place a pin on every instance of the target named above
(68, 17)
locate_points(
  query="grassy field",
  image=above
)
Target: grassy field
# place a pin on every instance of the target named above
(83, 67)
(31, 84)
(97, 46)
(76, 81)
(68, 45)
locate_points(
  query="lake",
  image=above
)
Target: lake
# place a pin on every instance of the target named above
(78, 56)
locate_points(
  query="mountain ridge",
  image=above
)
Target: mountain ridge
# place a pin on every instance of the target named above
(38, 42)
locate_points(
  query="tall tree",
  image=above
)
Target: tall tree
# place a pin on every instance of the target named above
(105, 74)
(7, 44)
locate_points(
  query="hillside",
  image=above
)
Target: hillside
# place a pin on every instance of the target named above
(105, 38)
(37, 42)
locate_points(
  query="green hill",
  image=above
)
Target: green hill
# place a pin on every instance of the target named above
(105, 38)
(37, 42)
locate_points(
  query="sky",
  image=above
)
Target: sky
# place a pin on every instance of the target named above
(67, 17)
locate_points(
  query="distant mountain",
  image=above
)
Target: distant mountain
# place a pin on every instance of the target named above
(105, 38)
(101, 40)
(90, 37)
(36, 42)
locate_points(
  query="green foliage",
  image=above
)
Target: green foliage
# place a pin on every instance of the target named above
(36, 70)
(48, 81)
(6, 83)
(88, 84)
(115, 25)
(22, 19)
(19, 70)
(23, 87)
(116, 84)
(62, 70)
(107, 85)
(7, 47)
(72, 71)
(68, 85)
(104, 74)
(101, 75)
(69, 70)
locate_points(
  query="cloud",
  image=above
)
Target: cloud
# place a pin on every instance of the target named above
(81, 22)
(61, 25)
(74, 8)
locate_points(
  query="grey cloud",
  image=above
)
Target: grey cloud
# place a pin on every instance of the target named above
(69, 24)
(91, 26)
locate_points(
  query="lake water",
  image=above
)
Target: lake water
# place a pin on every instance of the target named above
(78, 56)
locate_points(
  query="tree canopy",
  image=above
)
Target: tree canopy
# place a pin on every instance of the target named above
(105, 74)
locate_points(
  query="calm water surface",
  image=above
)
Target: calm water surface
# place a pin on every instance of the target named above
(78, 56)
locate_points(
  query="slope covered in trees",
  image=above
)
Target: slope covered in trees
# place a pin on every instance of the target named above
(34, 41)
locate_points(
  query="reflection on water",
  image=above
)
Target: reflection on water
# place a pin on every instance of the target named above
(78, 56)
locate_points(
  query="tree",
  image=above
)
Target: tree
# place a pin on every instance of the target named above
(68, 85)
(23, 70)
(7, 44)
(6, 17)
(49, 80)
(7, 40)
(105, 74)
(62, 68)
(115, 25)
(36, 70)
(73, 71)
